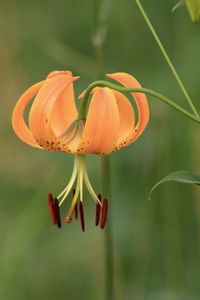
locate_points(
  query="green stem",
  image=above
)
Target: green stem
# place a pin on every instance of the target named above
(121, 89)
(101, 13)
(109, 278)
(169, 62)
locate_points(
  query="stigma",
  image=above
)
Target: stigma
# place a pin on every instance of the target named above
(74, 188)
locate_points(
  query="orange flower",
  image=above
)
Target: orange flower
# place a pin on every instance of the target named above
(54, 124)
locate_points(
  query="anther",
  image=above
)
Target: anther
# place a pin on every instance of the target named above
(104, 213)
(98, 210)
(51, 208)
(57, 212)
(82, 216)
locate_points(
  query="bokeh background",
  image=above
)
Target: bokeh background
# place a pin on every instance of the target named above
(157, 243)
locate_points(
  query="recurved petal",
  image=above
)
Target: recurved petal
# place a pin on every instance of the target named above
(64, 111)
(142, 106)
(44, 115)
(102, 123)
(126, 116)
(18, 122)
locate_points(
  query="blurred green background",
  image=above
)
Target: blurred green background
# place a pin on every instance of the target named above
(157, 243)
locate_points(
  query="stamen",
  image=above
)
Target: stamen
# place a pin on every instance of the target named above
(98, 210)
(57, 212)
(104, 213)
(51, 208)
(76, 211)
(89, 187)
(75, 198)
(82, 216)
(81, 183)
(75, 207)
(70, 184)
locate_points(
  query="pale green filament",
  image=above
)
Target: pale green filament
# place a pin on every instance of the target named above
(89, 187)
(72, 179)
(81, 184)
(75, 198)
(70, 184)
(80, 176)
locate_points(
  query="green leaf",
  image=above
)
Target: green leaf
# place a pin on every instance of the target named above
(178, 176)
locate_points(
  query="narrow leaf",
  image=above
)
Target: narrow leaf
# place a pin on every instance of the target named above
(178, 176)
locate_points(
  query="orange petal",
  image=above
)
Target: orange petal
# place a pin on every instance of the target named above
(102, 123)
(64, 111)
(19, 125)
(141, 102)
(44, 114)
(73, 145)
(126, 115)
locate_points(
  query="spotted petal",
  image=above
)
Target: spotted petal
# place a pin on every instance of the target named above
(126, 115)
(53, 109)
(102, 123)
(142, 105)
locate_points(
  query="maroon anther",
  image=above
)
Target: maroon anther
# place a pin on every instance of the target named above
(57, 212)
(82, 216)
(98, 211)
(104, 213)
(51, 208)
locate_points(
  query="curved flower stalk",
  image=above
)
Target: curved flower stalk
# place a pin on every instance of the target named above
(54, 124)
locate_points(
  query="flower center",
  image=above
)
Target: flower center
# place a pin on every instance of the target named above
(78, 178)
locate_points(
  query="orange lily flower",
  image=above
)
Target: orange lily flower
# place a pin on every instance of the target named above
(54, 125)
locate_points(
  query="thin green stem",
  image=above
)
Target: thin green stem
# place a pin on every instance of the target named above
(106, 184)
(168, 60)
(121, 89)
